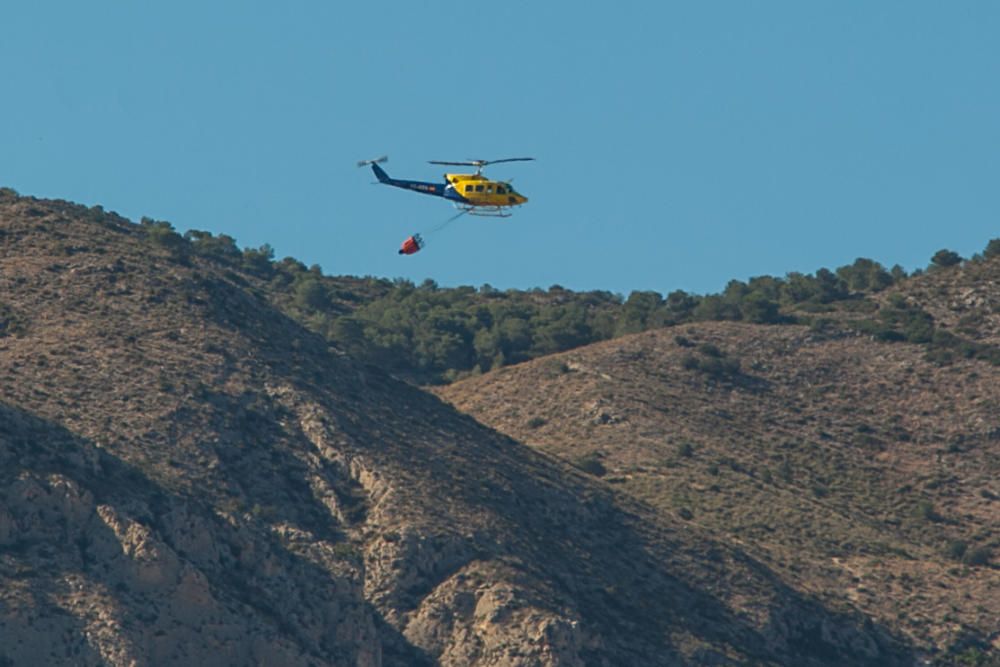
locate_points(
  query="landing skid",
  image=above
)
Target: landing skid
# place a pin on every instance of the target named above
(485, 211)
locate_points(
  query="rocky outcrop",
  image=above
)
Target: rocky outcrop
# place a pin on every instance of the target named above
(120, 573)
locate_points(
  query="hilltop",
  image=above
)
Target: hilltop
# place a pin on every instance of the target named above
(190, 476)
(431, 335)
(857, 456)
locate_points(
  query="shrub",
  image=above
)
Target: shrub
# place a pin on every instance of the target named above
(719, 366)
(345, 551)
(956, 549)
(822, 325)
(879, 330)
(10, 323)
(785, 470)
(683, 341)
(710, 350)
(689, 362)
(919, 328)
(978, 557)
(591, 464)
(925, 510)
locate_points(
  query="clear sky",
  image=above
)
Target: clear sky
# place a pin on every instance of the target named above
(678, 145)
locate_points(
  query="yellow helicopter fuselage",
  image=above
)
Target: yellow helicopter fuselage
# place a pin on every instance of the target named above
(478, 190)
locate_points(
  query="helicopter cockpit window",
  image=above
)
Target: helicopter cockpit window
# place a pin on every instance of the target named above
(489, 188)
(501, 190)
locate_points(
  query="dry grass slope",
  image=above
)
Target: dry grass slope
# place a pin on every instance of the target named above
(857, 470)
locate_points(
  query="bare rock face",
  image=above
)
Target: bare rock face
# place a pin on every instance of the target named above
(133, 582)
(477, 617)
(189, 477)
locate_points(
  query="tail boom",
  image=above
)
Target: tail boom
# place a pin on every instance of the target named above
(436, 189)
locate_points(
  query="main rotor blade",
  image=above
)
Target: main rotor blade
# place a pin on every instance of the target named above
(457, 164)
(481, 163)
(509, 159)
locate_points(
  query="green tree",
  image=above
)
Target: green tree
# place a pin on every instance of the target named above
(349, 332)
(258, 260)
(680, 305)
(713, 307)
(992, 248)
(218, 247)
(944, 258)
(767, 286)
(310, 294)
(799, 288)
(486, 345)
(560, 328)
(639, 312)
(515, 338)
(162, 234)
(760, 309)
(829, 287)
(865, 275)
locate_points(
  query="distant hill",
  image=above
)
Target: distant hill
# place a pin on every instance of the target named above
(427, 334)
(189, 476)
(858, 457)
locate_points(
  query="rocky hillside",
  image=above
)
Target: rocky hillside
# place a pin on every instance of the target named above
(860, 471)
(189, 477)
(965, 300)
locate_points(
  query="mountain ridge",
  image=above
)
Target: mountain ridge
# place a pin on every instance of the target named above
(186, 468)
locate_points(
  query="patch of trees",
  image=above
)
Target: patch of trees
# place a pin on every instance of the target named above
(438, 335)
(431, 334)
(902, 321)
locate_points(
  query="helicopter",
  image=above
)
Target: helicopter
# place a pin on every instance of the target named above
(471, 193)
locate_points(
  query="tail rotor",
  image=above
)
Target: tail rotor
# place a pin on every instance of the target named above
(378, 160)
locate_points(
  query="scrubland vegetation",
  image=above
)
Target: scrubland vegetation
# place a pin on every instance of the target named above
(432, 335)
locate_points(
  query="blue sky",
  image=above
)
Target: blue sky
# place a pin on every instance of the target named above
(678, 145)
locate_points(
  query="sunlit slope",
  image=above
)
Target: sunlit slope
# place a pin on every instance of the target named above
(858, 470)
